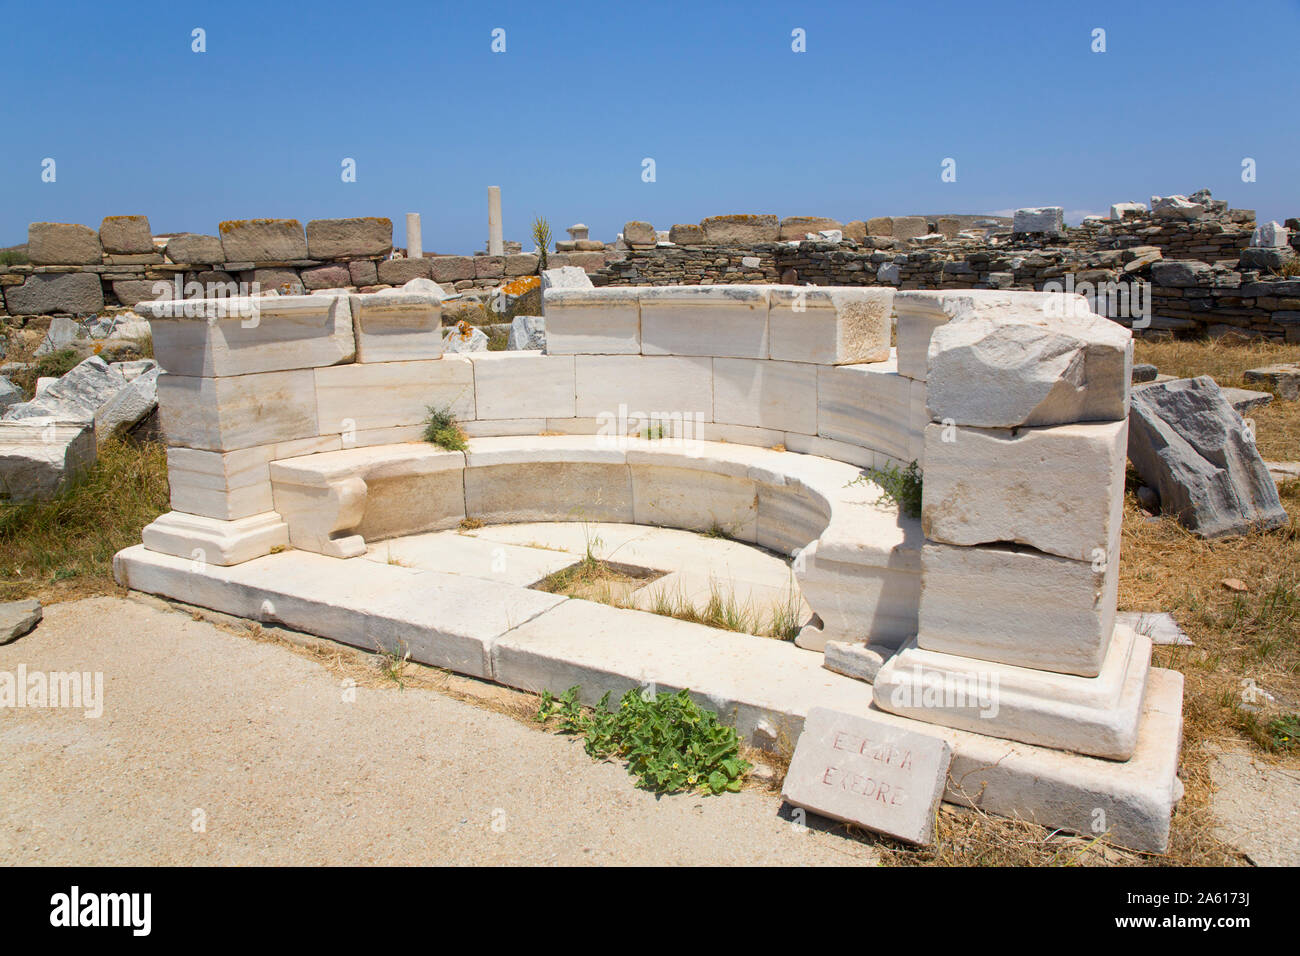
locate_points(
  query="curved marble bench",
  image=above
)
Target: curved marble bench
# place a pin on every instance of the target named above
(856, 558)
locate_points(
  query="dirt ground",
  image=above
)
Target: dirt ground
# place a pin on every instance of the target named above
(214, 748)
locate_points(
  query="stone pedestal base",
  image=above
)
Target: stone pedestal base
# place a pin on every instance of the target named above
(1088, 715)
(215, 542)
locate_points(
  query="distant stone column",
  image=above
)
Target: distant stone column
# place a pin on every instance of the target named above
(496, 245)
(414, 242)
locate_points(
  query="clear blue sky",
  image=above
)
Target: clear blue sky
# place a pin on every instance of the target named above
(736, 121)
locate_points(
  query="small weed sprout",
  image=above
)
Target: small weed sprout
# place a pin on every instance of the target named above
(392, 664)
(541, 236)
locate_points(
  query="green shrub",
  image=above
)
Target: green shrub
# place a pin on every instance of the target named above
(441, 429)
(13, 257)
(670, 743)
(901, 486)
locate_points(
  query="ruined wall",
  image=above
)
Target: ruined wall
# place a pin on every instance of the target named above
(77, 270)
(1196, 276)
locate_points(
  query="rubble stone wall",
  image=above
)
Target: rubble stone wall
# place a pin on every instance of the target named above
(1197, 275)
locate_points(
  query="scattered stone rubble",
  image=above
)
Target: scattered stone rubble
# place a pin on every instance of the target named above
(53, 437)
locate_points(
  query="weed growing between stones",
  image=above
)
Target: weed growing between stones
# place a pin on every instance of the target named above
(541, 236)
(901, 486)
(442, 429)
(669, 743)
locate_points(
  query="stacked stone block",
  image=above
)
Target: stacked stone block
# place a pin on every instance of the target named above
(1024, 458)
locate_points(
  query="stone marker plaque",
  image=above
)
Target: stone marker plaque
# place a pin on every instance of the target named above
(865, 771)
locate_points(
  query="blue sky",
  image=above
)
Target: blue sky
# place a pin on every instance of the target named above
(735, 121)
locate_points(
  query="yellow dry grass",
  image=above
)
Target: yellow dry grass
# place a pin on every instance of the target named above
(63, 549)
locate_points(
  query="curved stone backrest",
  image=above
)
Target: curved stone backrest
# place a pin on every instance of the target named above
(809, 369)
(856, 558)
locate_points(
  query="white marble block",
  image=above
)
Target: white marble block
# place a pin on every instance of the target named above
(397, 326)
(765, 394)
(643, 385)
(1009, 367)
(508, 384)
(694, 500)
(226, 414)
(239, 336)
(719, 320)
(830, 326)
(864, 771)
(547, 478)
(919, 313)
(351, 398)
(592, 321)
(1015, 605)
(1059, 489)
(211, 541)
(38, 456)
(872, 599)
(867, 405)
(230, 485)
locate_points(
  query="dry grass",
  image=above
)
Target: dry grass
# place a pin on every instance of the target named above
(725, 611)
(63, 549)
(594, 579)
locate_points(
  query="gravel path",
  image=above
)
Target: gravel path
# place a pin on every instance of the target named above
(215, 748)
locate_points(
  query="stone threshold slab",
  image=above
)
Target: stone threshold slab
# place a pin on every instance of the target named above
(440, 619)
(535, 641)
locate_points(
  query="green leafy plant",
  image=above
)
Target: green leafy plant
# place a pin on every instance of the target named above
(1285, 732)
(899, 485)
(441, 429)
(13, 257)
(669, 742)
(541, 236)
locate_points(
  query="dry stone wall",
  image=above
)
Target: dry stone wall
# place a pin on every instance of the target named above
(1156, 272)
(1187, 266)
(76, 270)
